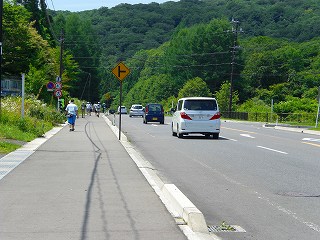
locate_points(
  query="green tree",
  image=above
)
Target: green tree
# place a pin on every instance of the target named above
(195, 87)
(223, 97)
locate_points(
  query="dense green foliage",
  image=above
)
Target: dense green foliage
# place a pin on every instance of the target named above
(169, 48)
(26, 49)
(38, 118)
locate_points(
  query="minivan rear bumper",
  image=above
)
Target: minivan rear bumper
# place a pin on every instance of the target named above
(202, 127)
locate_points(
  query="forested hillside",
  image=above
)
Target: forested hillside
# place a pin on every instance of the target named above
(165, 45)
(173, 47)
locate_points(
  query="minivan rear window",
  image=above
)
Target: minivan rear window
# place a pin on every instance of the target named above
(205, 105)
(155, 108)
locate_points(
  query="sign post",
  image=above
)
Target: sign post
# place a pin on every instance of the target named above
(120, 71)
(22, 94)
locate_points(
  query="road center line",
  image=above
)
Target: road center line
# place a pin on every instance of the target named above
(239, 130)
(270, 149)
(313, 144)
(246, 135)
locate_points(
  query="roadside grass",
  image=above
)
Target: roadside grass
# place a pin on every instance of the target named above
(315, 129)
(16, 130)
(13, 132)
(6, 147)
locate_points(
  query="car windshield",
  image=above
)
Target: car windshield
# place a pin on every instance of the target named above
(206, 105)
(137, 107)
(155, 108)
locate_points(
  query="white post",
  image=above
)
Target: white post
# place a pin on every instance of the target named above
(318, 114)
(22, 96)
(271, 108)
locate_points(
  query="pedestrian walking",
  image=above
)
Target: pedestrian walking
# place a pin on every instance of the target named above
(72, 114)
(83, 107)
(97, 108)
(89, 108)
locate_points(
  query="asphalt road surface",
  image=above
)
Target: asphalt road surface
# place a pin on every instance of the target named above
(264, 180)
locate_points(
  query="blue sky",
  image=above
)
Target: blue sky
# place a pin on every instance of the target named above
(81, 5)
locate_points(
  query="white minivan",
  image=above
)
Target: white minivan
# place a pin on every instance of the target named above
(196, 115)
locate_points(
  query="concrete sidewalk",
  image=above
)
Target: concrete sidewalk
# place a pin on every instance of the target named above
(80, 185)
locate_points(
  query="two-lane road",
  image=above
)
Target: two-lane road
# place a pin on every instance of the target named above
(262, 179)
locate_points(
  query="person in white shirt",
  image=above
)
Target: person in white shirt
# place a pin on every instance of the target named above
(89, 108)
(72, 114)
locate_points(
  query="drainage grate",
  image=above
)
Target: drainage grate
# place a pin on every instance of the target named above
(230, 228)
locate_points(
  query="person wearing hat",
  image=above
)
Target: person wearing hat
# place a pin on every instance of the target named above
(72, 114)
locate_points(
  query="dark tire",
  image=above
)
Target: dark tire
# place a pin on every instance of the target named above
(162, 122)
(173, 133)
(207, 135)
(215, 135)
(180, 135)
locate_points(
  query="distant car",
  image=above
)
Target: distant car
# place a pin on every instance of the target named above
(196, 115)
(153, 112)
(111, 111)
(123, 109)
(136, 110)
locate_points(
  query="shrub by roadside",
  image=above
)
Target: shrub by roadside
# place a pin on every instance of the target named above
(38, 119)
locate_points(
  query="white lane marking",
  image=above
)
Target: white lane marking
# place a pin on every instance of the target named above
(247, 135)
(311, 139)
(273, 204)
(270, 149)
(311, 225)
(228, 138)
(155, 125)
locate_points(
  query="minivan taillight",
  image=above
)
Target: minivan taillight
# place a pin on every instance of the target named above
(147, 109)
(216, 116)
(183, 115)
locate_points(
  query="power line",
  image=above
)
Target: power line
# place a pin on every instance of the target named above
(50, 24)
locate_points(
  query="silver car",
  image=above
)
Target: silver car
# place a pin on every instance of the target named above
(136, 110)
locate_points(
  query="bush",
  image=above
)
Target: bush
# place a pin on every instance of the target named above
(38, 117)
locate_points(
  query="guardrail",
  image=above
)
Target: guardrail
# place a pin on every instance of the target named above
(289, 118)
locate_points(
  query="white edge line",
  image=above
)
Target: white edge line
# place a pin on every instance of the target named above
(229, 138)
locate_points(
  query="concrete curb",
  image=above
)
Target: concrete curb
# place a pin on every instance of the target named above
(300, 130)
(176, 202)
(185, 208)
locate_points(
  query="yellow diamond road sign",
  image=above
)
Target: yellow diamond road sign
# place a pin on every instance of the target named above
(121, 71)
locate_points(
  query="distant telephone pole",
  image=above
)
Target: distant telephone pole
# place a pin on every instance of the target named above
(61, 53)
(235, 25)
(61, 63)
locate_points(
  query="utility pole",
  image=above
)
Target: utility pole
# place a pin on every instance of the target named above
(61, 53)
(61, 62)
(1, 36)
(235, 25)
